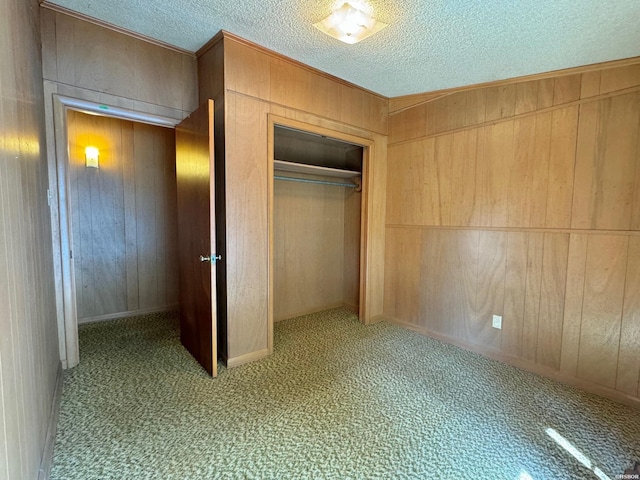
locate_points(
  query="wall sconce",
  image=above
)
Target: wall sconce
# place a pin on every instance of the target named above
(349, 24)
(91, 155)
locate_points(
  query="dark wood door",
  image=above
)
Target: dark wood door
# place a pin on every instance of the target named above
(197, 236)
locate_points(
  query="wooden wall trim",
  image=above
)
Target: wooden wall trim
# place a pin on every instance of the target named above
(249, 357)
(523, 364)
(284, 58)
(533, 113)
(218, 37)
(131, 313)
(517, 229)
(80, 16)
(355, 132)
(405, 102)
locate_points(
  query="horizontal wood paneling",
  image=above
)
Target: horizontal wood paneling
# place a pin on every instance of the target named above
(272, 77)
(123, 216)
(86, 55)
(531, 214)
(29, 358)
(589, 72)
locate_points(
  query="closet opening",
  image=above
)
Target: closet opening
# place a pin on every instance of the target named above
(317, 222)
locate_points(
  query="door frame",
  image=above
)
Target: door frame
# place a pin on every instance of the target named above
(61, 228)
(346, 135)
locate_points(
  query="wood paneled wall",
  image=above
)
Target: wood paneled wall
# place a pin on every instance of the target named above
(93, 63)
(261, 74)
(258, 83)
(123, 217)
(522, 200)
(29, 361)
(146, 76)
(316, 237)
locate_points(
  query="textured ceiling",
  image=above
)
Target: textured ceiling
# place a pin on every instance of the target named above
(429, 44)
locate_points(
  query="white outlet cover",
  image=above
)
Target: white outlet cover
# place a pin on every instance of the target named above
(497, 322)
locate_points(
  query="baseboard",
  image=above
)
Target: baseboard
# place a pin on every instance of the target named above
(249, 357)
(523, 364)
(46, 461)
(310, 311)
(131, 313)
(376, 319)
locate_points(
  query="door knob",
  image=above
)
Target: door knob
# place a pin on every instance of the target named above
(210, 258)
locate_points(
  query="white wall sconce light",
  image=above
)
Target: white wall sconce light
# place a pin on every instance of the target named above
(349, 24)
(91, 155)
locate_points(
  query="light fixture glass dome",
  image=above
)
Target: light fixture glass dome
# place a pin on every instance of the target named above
(349, 24)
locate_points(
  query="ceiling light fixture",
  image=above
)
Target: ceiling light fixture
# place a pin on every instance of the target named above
(349, 24)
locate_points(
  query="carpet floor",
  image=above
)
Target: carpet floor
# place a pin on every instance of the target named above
(336, 400)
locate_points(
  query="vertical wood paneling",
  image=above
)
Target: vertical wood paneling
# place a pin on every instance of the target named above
(514, 293)
(561, 167)
(613, 79)
(568, 299)
(492, 174)
(590, 84)
(501, 102)
(170, 209)
(475, 112)
(121, 215)
(402, 274)
(247, 70)
(552, 291)
(408, 124)
(131, 233)
(352, 239)
(247, 235)
(574, 293)
(526, 97)
(566, 89)
(146, 218)
(462, 186)
(436, 310)
(490, 288)
(628, 379)
(29, 358)
(211, 76)
(545, 93)
(309, 248)
(520, 201)
(602, 308)
(606, 163)
(532, 296)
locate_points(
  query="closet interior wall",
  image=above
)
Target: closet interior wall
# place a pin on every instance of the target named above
(316, 226)
(316, 247)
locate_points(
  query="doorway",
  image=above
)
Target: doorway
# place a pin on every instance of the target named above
(122, 198)
(62, 229)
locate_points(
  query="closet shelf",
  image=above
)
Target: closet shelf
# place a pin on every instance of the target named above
(284, 166)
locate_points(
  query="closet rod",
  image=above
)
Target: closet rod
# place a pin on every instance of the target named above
(319, 182)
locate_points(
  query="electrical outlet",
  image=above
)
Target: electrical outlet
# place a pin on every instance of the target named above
(497, 322)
